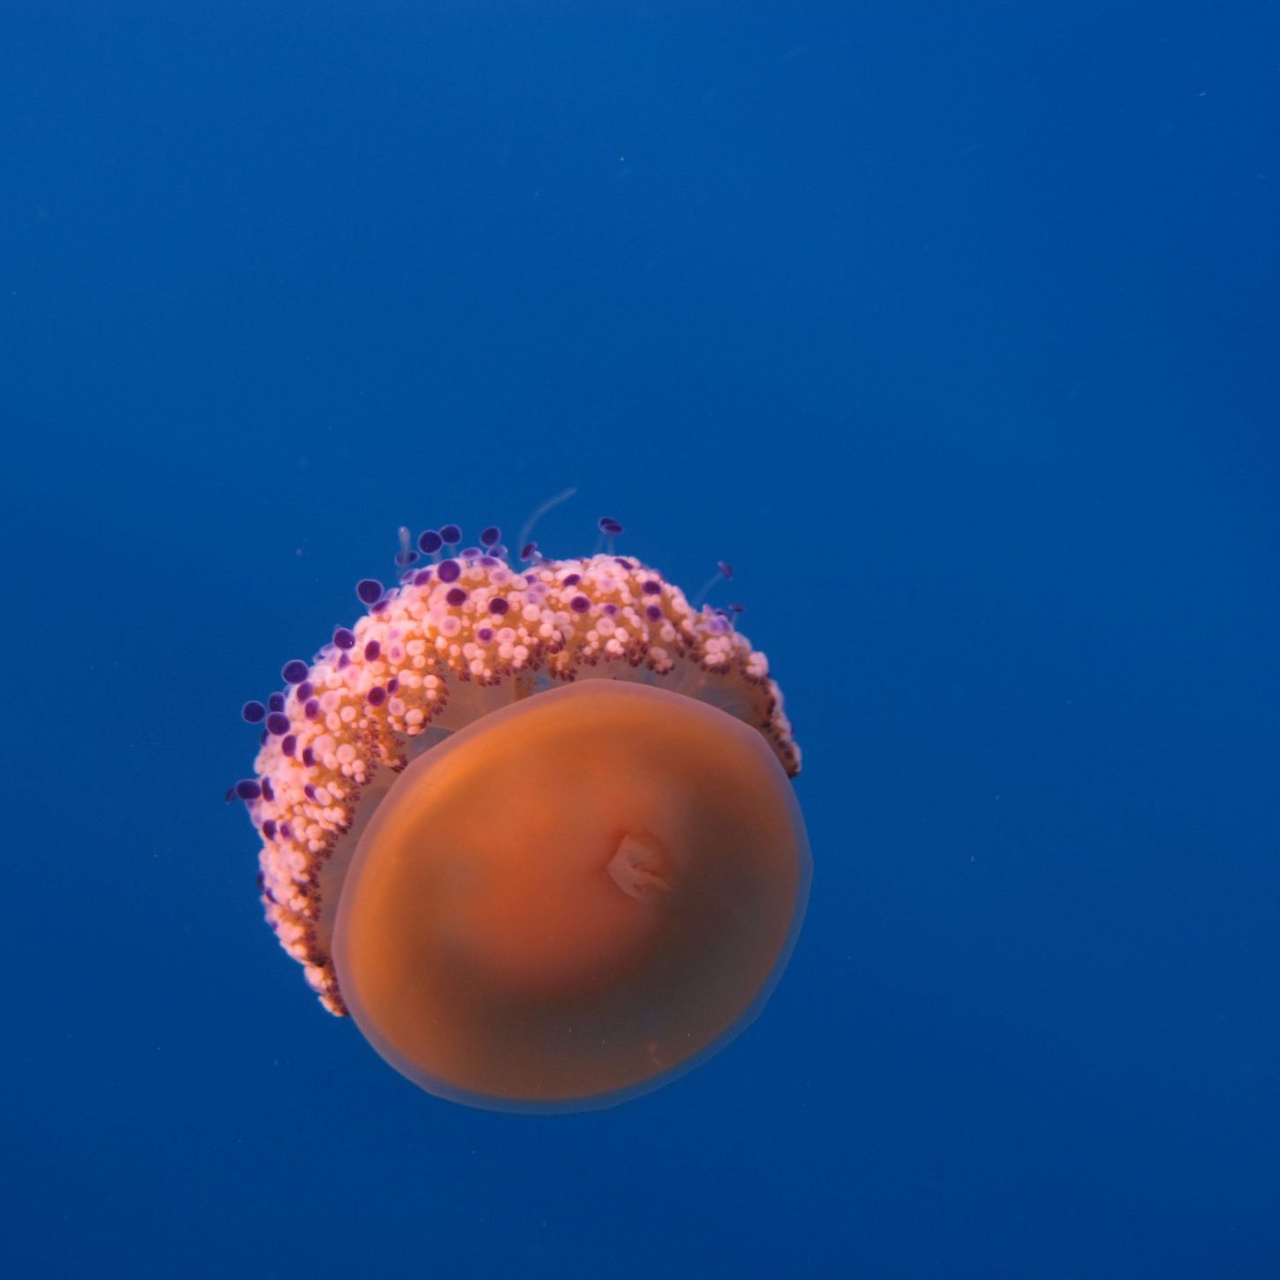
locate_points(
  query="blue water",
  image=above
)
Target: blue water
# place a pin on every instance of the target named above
(952, 327)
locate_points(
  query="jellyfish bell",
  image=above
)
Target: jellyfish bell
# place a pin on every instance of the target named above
(590, 888)
(533, 828)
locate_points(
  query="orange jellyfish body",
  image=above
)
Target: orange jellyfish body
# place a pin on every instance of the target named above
(534, 830)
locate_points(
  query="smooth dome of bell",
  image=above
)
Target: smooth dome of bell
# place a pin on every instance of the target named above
(572, 900)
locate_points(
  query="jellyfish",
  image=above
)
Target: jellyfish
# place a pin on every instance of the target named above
(529, 822)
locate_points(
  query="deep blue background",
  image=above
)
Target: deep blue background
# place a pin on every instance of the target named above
(953, 327)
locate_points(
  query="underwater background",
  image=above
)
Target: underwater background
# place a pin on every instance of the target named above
(953, 328)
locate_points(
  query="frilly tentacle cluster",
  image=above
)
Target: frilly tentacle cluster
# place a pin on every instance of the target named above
(452, 643)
